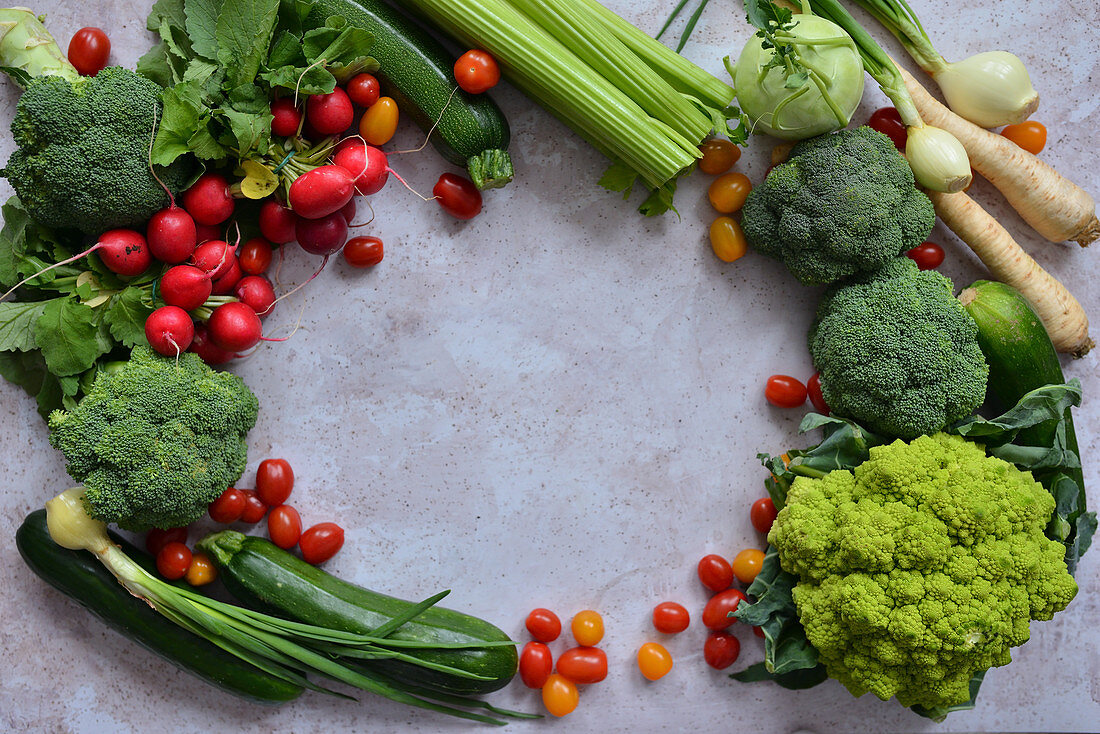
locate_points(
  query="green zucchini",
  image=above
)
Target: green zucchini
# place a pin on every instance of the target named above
(418, 73)
(265, 577)
(78, 575)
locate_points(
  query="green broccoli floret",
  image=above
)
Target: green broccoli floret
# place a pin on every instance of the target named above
(921, 568)
(897, 352)
(82, 159)
(156, 441)
(842, 204)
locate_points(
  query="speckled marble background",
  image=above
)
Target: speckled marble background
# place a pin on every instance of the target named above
(557, 404)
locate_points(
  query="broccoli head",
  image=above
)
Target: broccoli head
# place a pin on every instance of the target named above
(82, 159)
(156, 441)
(897, 352)
(921, 568)
(842, 204)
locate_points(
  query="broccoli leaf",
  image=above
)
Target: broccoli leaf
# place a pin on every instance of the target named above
(126, 315)
(244, 31)
(67, 332)
(17, 325)
(201, 25)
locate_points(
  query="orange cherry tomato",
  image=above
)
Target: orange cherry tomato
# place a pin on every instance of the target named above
(379, 122)
(559, 695)
(762, 514)
(654, 661)
(583, 665)
(1029, 135)
(587, 628)
(747, 564)
(727, 240)
(718, 156)
(201, 571)
(728, 192)
(476, 71)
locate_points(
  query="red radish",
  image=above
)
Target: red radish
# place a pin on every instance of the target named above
(322, 236)
(123, 251)
(348, 212)
(331, 113)
(185, 286)
(321, 192)
(207, 350)
(215, 257)
(257, 293)
(169, 330)
(234, 327)
(227, 281)
(208, 200)
(285, 117)
(277, 222)
(207, 232)
(172, 235)
(255, 256)
(367, 163)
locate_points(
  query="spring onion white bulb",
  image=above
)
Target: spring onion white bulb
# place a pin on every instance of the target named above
(71, 527)
(938, 159)
(990, 89)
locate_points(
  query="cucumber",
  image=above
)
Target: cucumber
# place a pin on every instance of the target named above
(418, 73)
(78, 575)
(263, 576)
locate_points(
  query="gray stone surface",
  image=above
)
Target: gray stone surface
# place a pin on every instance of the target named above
(557, 404)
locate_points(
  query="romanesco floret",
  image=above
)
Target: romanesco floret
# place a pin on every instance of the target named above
(156, 441)
(922, 567)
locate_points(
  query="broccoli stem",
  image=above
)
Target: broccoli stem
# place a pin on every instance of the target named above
(28, 51)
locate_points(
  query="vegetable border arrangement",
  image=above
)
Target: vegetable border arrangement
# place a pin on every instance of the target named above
(908, 551)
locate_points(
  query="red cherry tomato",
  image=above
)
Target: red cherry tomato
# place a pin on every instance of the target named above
(88, 50)
(927, 255)
(458, 196)
(721, 650)
(1030, 135)
(670, 617)
(284, 526)
(173, 561)
(583, 665)
(784, 391)
(228, 507)
(320, 542)
(274, 481)
(716, 612)
(535, 664)
(543, 625)
(255, 256)
(254, 507)
(476, 72)
(762, 514)
(759, 632)
(817, 398)
(363, 89)
(888, 122)
(157, 538)
(715, 572)
(363, 252)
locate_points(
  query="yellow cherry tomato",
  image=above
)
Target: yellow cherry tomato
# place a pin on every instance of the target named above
(587, 628)
(728, 192)
(718, 156)
(654, 661)
(727, 240)
(1030, 135)
(747, 564)
(559, 695)
(379, 122)
(201, 571)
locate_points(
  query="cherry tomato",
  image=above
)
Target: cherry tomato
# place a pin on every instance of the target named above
(476, 72)
(758, 631)
(762, 514)
(379, 122)
(927, 255)
(320, 542)
(228, 507)
(583, 665)
(255, 256)
(718, 156)
(715, 572)
(747, 564)
(1029, 135)
(201, 570)
(716, 612)
(88, 50)
(535, 664)
(559, 695)
(587, 628)
(274, 481)
(670, 617)
(721, 650)
(888, 122)
(254, 507)
(727, 193)
(363, 89)
(543, 625)
(727, 239)
(173, 560)
(817, 398)
(654, 661)
(157, 538)
(784, 391)
(458, 196)
(284, 526)
(363, 252)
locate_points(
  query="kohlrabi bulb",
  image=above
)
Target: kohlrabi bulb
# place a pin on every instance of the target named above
(990, 89)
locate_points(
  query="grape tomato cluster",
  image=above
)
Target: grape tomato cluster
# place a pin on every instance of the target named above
(580, 665)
